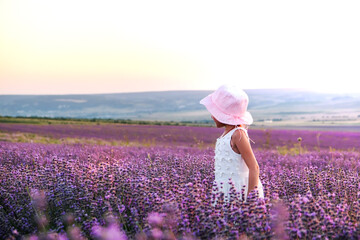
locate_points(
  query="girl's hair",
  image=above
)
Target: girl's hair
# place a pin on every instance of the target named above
(245, 126)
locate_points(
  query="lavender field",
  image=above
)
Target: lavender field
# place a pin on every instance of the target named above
(155, 182)
(147, 135)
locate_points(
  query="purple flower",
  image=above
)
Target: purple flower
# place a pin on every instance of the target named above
(155, 219)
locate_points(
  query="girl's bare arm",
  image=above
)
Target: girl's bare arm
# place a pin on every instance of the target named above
(243, 145)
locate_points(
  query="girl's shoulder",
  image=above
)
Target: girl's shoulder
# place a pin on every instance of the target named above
(239, 133)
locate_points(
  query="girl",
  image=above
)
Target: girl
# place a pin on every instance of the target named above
(234, 158)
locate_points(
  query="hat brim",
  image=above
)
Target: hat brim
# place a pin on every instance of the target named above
(222, 117)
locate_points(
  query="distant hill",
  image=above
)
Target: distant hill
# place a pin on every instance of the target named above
(266, 105)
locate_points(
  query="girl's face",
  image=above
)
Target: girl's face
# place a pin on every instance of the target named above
(218, 124)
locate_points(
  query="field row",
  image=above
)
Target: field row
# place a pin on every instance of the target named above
(202, 137)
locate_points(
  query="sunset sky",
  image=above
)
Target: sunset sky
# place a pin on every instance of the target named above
(84, 46)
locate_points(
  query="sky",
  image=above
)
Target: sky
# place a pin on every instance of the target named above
(85, 46)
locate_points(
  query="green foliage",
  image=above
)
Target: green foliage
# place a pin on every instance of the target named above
(296, 149)
(97, 121)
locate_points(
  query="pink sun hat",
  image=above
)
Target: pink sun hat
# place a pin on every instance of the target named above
(228, 104)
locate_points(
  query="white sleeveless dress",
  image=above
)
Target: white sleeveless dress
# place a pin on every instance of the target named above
(229, 164)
